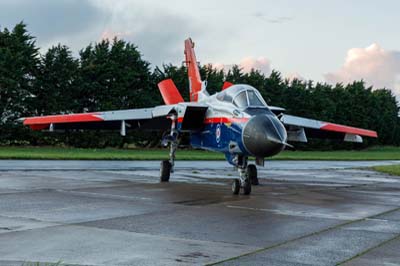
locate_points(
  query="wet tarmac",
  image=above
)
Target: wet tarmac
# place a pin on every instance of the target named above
(117, 213)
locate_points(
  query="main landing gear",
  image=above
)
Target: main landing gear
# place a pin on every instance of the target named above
(171, 139)
(247, 176)
(165, 170)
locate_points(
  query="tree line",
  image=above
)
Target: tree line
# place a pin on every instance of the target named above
(112, 75)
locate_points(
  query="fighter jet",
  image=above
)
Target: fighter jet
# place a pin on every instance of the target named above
(235, 121)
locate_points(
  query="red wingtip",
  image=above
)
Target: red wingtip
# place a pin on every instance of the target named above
(169, 92)
(350, 130)
(70, 118)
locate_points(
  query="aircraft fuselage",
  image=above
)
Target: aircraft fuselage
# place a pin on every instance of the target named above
(239, 122)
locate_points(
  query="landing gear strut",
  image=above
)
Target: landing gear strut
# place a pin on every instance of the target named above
(247, 176)
(171, 139)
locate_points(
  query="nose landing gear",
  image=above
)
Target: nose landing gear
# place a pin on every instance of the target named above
(243, 182)
(247, 176)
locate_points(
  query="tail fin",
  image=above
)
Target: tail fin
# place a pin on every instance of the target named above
(195, 83)
(226, 85)
(169, 92)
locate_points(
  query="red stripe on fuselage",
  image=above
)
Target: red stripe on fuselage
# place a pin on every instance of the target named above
(217, 120)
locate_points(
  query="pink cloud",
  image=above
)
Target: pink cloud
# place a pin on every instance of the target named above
(295, 75)
(262, 64)
(108, 34)
(247, 64)
(221, 66)
(376, 66)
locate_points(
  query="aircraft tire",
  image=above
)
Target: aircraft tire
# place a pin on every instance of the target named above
(235, 186)
(247, 187)
(165, 171)
(251, 172)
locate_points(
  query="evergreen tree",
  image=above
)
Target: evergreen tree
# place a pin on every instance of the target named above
(235, 75)
(114, 76)
(213, 77)
(57, 89)
(18, 70)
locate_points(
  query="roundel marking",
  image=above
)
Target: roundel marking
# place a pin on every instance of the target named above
(218, 133)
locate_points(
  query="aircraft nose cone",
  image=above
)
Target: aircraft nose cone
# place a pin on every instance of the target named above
(264, 135)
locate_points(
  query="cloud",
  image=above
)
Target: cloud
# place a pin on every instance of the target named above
(295, 75)
(161, 38)
(376, 66)
(247, 64)
(158, 33)
(108, 34)
(49, 19)
(262, 64)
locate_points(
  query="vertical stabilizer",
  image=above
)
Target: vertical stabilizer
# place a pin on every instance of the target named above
(195, 84)
(170, 92)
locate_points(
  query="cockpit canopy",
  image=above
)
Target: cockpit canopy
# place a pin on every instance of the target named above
(242, 96)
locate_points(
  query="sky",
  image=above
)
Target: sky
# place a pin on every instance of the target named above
(326, 41)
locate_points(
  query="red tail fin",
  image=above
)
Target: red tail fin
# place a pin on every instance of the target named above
(169, 92)
(193, 70)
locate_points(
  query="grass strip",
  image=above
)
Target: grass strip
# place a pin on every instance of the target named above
(58, 153)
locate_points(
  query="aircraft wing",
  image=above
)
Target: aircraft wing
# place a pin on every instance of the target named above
(146, 119)
(299, 128)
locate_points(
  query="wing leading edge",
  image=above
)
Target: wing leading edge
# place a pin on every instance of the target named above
(299, 128)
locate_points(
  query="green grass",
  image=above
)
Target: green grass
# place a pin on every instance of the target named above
(56, 153)
(388, 169)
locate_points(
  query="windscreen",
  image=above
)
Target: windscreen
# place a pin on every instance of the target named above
(253, 99)
(241, 100)
(248, 98)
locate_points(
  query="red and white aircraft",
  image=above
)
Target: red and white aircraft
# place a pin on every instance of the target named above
(236, 121)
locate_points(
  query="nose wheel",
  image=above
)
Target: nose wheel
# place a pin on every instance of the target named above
(247, 177)
(238, 184)
(251, 172)
(246, 187)
(243, 182)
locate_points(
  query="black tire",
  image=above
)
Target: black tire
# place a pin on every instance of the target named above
(165, 171)
(247, 187)
(235, 186)
(251, 172)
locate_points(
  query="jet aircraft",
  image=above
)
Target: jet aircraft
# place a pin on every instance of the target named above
(235, 121)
